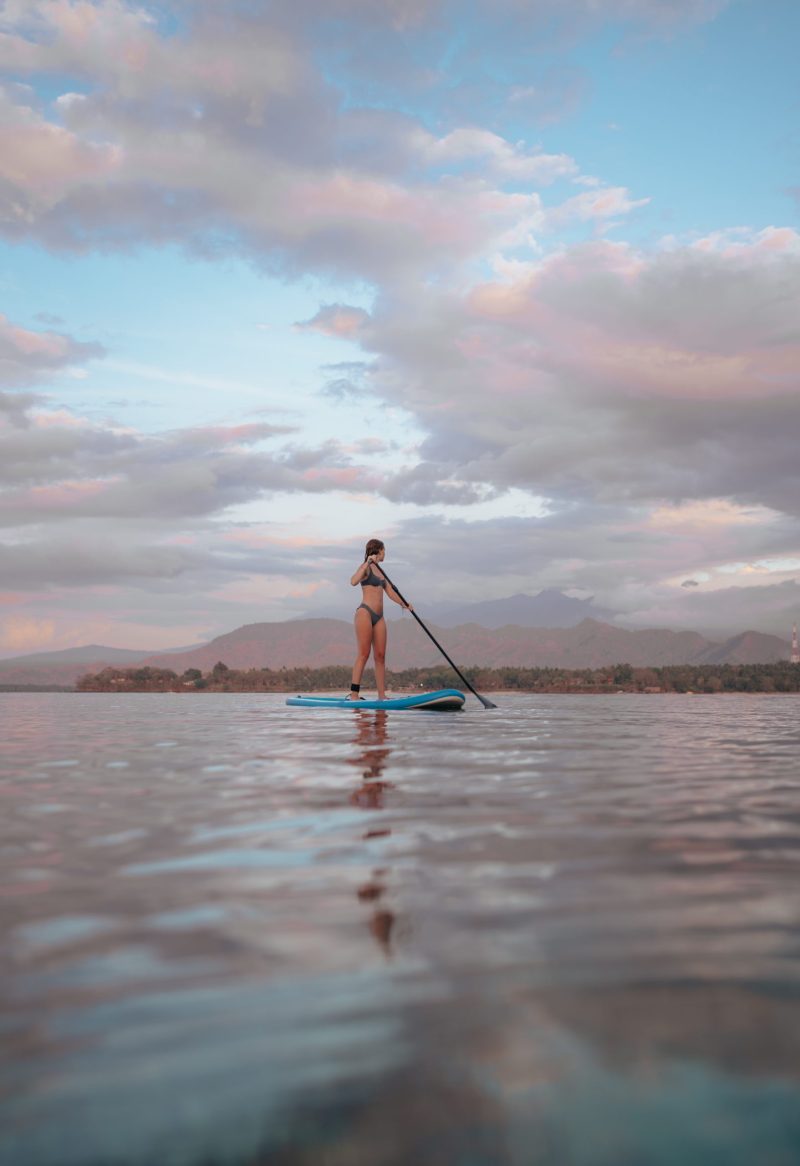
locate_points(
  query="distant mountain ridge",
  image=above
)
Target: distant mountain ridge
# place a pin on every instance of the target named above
(315, 643)
(62, 668)
(90, 652)
(548, 609)
(82, 655)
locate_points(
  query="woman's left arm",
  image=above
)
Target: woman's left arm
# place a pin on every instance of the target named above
(390, 591)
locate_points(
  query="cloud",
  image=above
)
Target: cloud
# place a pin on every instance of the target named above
(94, 557)
(612, 383)
(29, 358)
(597, 205)
(340, 320)
(612, 553)
(346, 380)
(227, 135)
(724, 611)
(68, 468)
(495, 156)
(602, 372)
(14, 407)
(20, 634)
(42, 163)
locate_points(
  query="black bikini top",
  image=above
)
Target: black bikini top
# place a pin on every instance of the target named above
(373, 580)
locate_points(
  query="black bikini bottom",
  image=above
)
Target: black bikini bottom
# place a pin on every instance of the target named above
(373, 615)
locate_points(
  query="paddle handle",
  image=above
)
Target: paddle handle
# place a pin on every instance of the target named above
(487, 704)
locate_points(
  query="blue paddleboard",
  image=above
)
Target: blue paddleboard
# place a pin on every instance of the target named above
(446, 699)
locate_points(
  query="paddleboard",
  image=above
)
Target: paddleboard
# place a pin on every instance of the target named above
(445, 700)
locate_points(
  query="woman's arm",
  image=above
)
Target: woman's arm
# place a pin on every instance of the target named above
(359, 575)
(390, 591)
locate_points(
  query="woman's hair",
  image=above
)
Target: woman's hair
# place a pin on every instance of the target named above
(374, 547)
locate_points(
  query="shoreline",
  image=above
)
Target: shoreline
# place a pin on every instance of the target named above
(391, 692)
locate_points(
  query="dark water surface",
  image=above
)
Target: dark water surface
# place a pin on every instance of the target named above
(562, 933)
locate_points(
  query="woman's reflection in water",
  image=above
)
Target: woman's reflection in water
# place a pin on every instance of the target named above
(371, 757)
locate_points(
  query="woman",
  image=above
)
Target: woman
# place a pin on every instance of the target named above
(369, 622)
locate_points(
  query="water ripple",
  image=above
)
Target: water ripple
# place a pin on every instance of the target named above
(565, 932)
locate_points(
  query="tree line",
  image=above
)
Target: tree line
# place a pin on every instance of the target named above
(702, 678)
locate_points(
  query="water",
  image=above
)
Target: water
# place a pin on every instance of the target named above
(562, 933)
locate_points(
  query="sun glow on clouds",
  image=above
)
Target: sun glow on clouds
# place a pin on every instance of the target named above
(765, 567)
(716, 513)
(64, 496)
(269, 594)
(21, 634)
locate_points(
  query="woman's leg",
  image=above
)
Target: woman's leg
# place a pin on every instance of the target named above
(363, 626)
(379, 657)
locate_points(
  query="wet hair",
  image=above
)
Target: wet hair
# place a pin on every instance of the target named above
(374, 547)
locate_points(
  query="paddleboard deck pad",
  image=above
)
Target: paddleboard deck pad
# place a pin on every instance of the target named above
(444, 700)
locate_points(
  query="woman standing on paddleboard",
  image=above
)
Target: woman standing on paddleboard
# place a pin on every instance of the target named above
(369, 622)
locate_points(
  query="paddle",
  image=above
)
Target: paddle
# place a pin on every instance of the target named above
(487, 704)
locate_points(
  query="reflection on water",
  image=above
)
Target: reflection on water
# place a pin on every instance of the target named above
(370, 759)
(563, 932)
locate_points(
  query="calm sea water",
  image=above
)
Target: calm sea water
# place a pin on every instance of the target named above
(562, 933)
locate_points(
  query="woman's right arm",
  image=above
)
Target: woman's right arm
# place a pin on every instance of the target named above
(359, 575)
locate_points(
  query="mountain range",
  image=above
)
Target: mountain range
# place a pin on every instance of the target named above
(549, 609)
(589, 643)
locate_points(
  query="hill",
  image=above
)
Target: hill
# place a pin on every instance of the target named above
(591, 644)
(63, 668)
(315, 643)
(550, 608)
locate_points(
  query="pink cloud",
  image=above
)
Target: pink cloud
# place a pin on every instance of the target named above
(349, 198)
(338, 478)
(10, 598)
(48, 345)
(257, 539)
(607, 203)
(20, 634)
(43, 161)
(744, 243)
(27, 356)
(340, 320)
(63, 496)
(634, 325)
(225, 435)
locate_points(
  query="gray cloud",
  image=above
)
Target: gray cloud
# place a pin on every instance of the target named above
(73, 471)
(722, 612)
(14, 407)
(608, 375)
(605, 381)
(143, 552)
(341, 320)
(96, 558)
(345, 380)
(611, 553)
(29, 358)
(228, 137)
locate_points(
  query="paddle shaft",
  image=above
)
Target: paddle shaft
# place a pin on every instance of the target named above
(487, 704)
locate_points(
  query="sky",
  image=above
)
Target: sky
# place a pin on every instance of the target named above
(511, 284)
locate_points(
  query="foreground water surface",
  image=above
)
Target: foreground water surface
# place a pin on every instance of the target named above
(562, 933)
